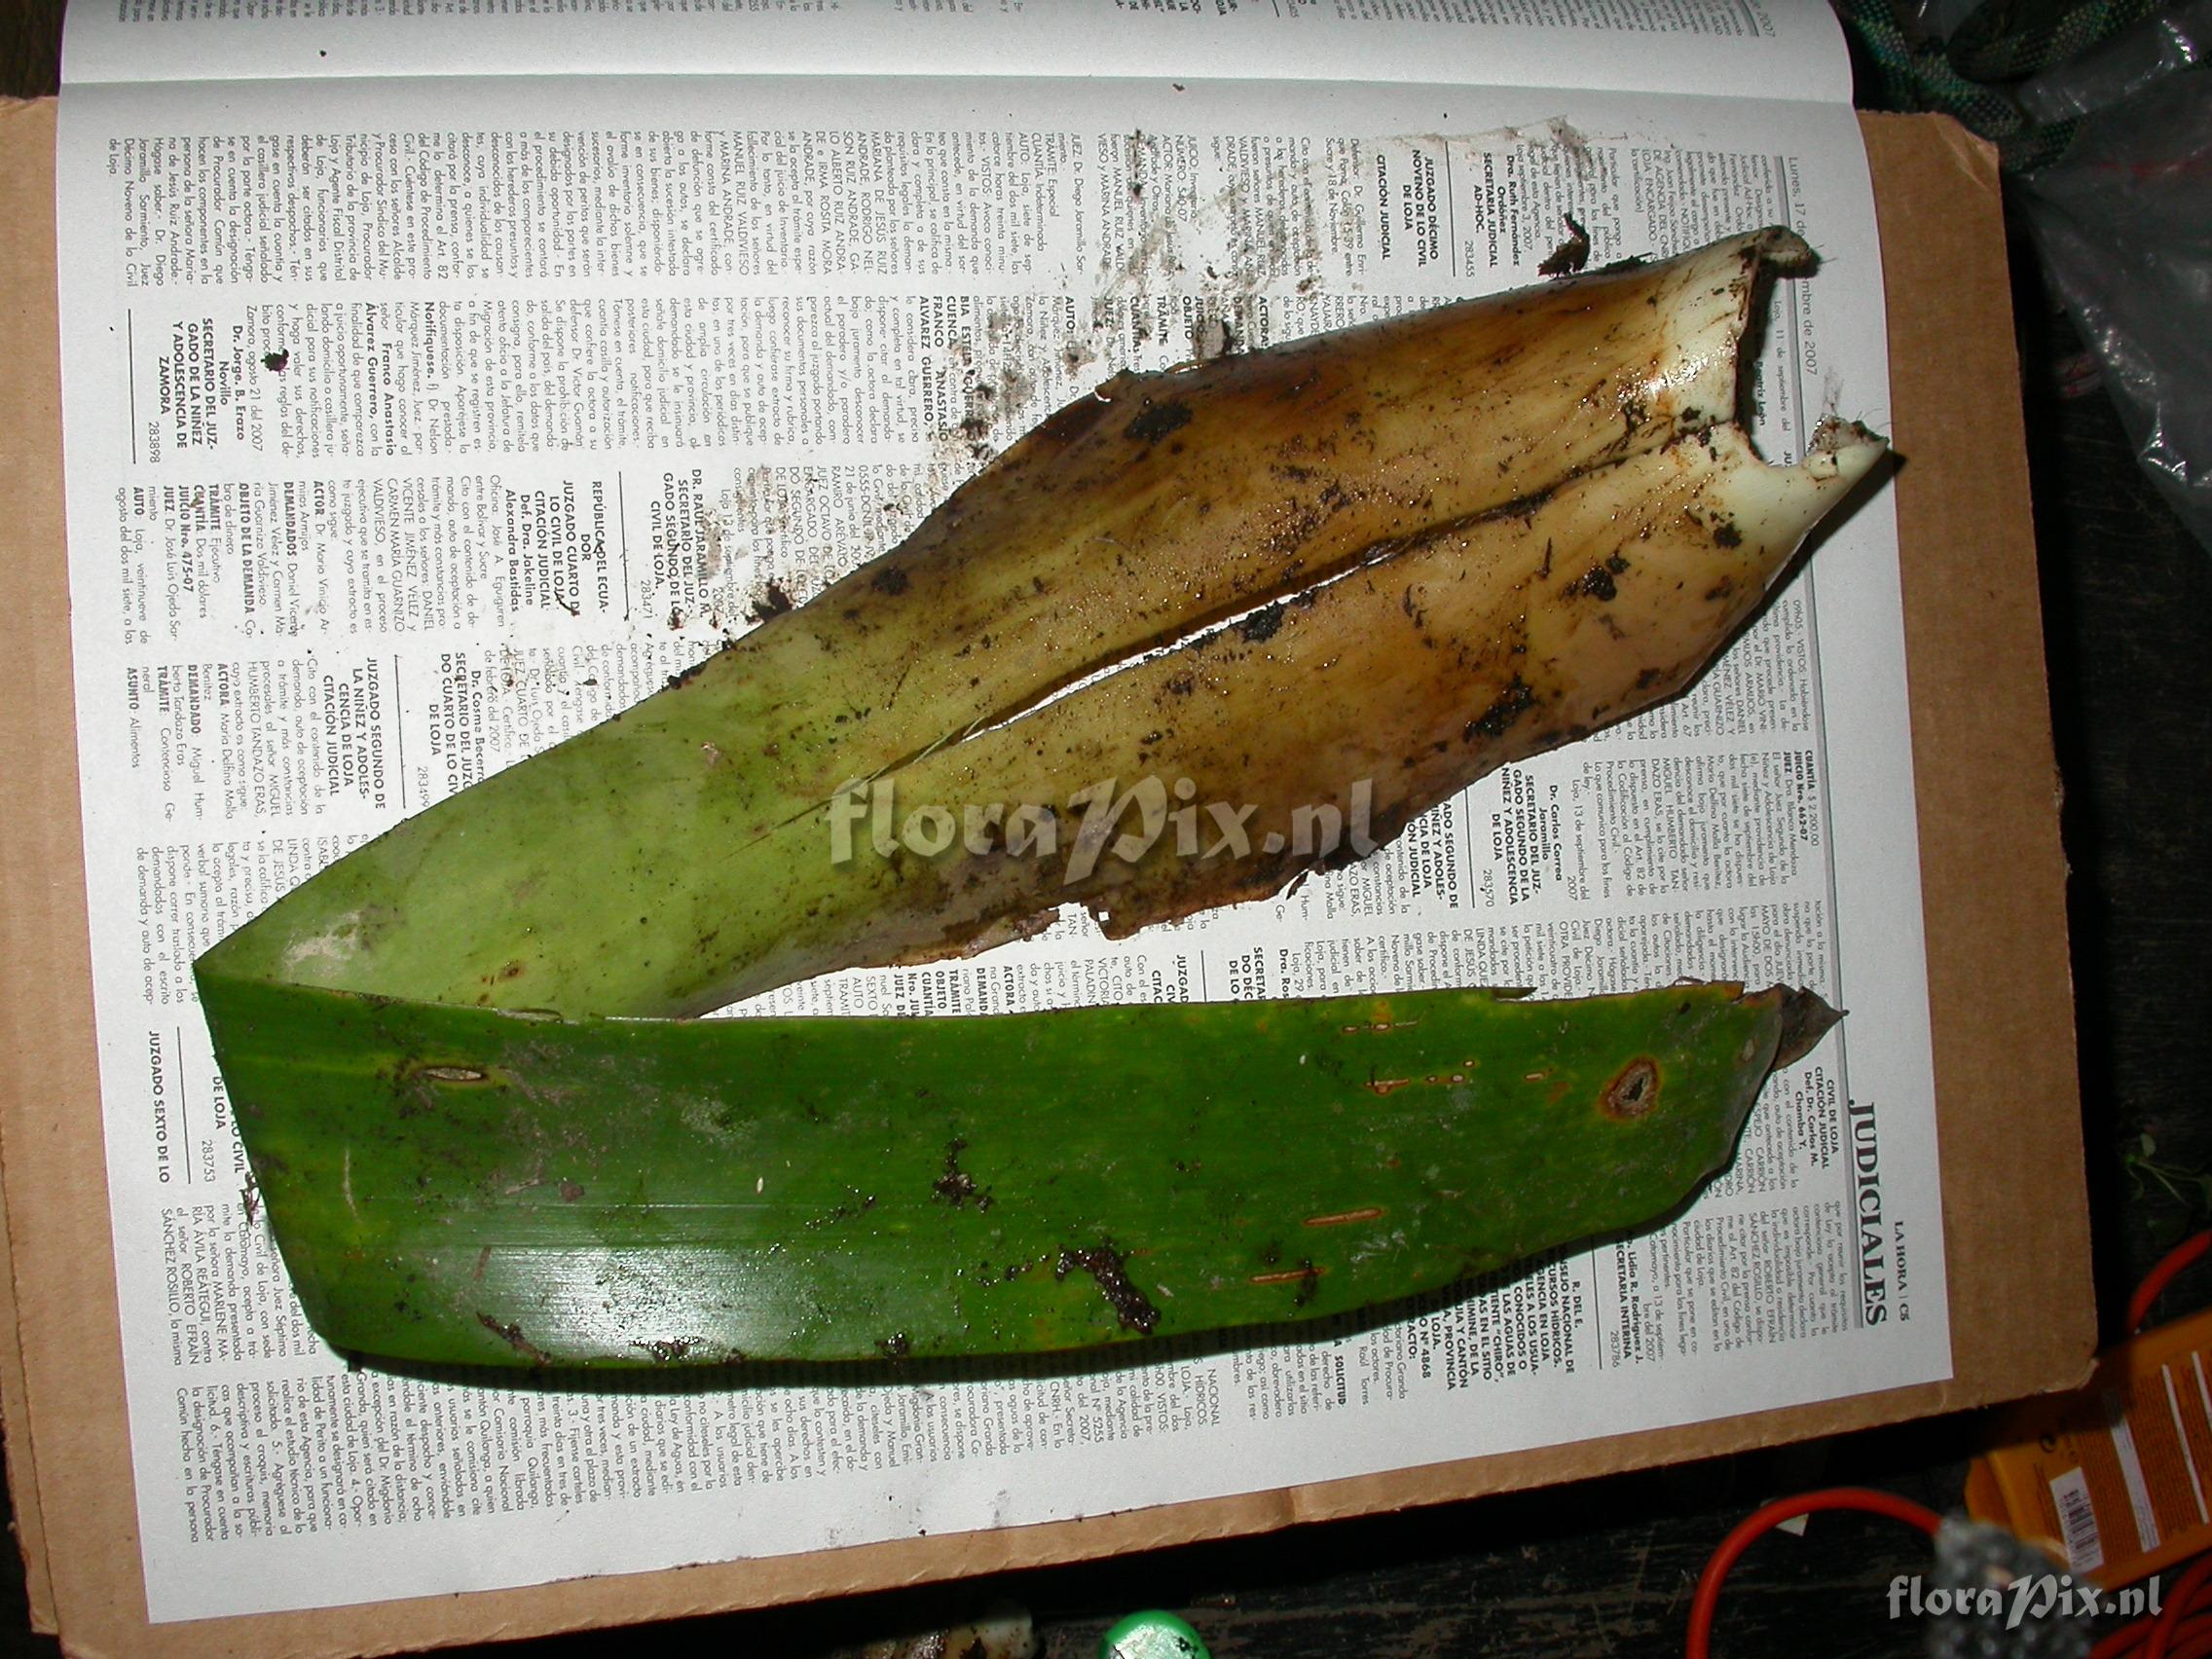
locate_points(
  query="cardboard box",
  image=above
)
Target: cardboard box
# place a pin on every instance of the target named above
(2000, 990)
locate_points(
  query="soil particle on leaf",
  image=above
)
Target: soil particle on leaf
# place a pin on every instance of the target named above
(895, 1347)
(773, 602)
(1510, 705)
(956, 1186)
(1572, 255)
(1103, 1263)
(1262, 625)
(1598, 581)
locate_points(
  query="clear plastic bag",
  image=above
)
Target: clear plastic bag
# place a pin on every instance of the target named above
(2123, 221)
(2102, 112)
(2170, 43)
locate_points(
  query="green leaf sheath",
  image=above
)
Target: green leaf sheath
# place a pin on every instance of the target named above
(464, 1184)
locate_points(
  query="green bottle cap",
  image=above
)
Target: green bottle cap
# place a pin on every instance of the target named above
(1152, 1636)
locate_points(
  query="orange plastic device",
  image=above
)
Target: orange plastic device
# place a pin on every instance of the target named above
(2114, 1480)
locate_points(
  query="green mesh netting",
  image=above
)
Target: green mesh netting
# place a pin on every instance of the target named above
(1971, 76)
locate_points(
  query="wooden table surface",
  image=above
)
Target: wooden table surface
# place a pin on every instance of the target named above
(1605, 1568)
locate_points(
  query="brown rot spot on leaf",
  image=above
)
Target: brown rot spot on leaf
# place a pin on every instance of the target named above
(1634, 1090)
(890, 580)
(1104, 1263)
(1157, 419)
(1805, 1021)
(571, 1191)
(1726, 534)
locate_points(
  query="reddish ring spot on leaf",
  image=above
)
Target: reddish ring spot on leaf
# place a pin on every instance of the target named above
(1634, 1090)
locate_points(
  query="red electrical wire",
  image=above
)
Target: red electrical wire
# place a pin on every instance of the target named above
(1865, 1499)
(2178, 1608)
(2195, 1629)
(2181, 1630)
(2155, 1281)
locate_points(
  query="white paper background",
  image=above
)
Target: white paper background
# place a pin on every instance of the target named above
(301, 612)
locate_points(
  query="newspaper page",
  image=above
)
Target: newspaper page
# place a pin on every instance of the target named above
(1778, 48)
(402, 445)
